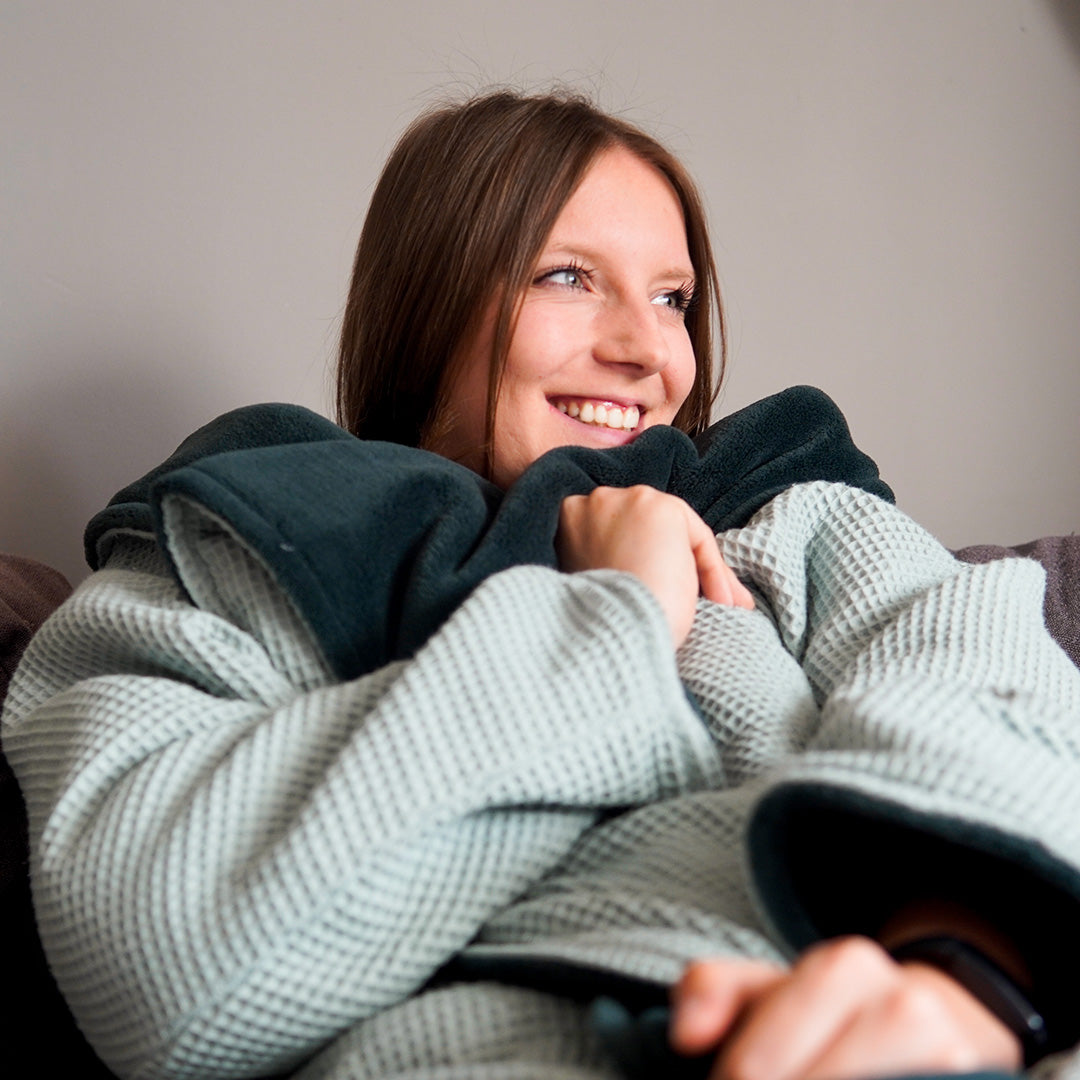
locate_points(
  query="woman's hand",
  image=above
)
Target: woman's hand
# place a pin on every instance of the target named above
(658, 538)
(845, 1010)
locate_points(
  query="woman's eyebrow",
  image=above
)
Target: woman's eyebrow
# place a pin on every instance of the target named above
(683, 273)
(568, 249)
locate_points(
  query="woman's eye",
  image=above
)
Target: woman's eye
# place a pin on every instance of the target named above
(571, 276)
(678, 300)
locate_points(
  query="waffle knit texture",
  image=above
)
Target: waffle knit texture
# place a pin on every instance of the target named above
(244, 866)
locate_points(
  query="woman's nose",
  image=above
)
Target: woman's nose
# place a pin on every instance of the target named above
(629, 333)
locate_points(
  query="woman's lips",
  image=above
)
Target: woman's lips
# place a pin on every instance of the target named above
(598, 412)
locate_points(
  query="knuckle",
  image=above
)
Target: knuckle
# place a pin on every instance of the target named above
(918, 1011)
(850, 958)
(614, 500)
(641, 493)
(915, 1007)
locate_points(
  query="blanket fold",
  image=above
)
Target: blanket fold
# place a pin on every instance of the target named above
(377, 544)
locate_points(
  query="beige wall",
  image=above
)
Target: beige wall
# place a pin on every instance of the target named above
(893, 184)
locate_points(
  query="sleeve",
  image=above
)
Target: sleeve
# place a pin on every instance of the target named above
(236, 858)
(927, 745)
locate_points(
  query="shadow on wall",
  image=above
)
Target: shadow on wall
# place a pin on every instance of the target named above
(1068, 16)
(67, 446)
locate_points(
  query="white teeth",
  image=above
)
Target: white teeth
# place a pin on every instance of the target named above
(610, 416)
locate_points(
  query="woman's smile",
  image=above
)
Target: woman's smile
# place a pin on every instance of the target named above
(617, 416)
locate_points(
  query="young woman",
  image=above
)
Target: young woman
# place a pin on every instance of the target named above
(806, 805)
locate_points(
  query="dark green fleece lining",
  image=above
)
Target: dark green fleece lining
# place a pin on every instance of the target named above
(829, 861)
(377, 544)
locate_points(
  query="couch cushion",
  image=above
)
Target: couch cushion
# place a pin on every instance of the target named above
(29, 591)
(1060, 557)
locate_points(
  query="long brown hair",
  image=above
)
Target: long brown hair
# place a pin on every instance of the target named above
(459, 217)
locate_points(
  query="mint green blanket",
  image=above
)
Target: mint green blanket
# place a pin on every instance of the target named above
(246, 865)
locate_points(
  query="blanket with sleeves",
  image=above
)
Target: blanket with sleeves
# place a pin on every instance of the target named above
(244, 862)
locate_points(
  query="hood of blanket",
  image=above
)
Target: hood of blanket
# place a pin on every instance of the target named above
(248, 428)
(376, 544)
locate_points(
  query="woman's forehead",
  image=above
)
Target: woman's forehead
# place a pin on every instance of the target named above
(627, 205)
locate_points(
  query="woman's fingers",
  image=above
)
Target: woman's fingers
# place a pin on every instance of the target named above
(717, 580)
(846, 1010)
(655, 536)
(907, 1030)
(709, 998)
(788, 1030)
(642, 531)
(928, 1023)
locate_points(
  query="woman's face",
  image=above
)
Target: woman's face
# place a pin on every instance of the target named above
(600, 351)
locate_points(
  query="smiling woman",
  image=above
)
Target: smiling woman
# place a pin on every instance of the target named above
(461, 233)
(292, 811)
